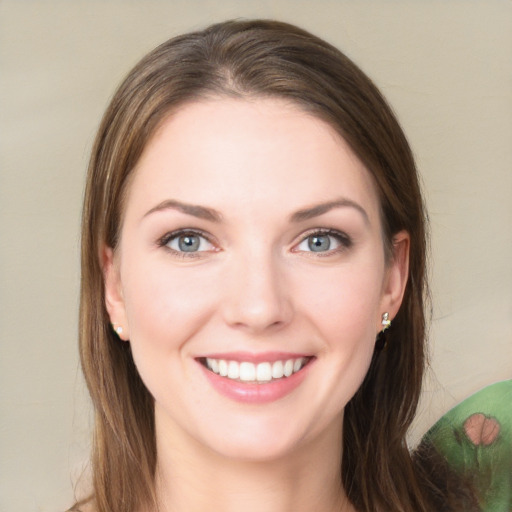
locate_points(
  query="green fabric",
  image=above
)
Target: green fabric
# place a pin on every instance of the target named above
(475, 438)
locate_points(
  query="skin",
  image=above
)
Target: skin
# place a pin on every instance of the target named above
(254, 286)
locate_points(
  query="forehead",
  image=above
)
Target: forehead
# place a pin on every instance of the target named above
(223, 152)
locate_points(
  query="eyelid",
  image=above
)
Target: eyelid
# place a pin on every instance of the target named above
(344, 240)
(165, 239)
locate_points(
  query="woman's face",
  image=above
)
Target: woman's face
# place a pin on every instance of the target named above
(250, 277)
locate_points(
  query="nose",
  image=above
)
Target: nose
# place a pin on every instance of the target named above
(257, 298)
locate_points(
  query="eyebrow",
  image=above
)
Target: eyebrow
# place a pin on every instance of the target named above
(320, 209)
(201, 212)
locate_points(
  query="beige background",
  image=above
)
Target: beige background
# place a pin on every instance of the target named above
(446, 66)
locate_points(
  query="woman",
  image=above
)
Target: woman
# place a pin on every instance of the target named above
(252, 225)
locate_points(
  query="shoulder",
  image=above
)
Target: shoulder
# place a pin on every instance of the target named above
(82, 506)
(474, 440)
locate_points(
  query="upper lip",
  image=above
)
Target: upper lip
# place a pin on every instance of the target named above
(262, 357)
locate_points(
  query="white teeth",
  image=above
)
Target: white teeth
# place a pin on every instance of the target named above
(233, 370)
(223, 368)
(247, 372)
(213, 364)
(250, 372)
(277, 370)
(264, 372)
(288, 368)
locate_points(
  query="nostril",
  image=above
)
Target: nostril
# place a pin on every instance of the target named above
(257, 314)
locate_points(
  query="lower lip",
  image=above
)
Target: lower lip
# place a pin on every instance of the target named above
(253, 393)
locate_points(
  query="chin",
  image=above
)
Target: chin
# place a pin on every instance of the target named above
(268, 441)
(257, 450)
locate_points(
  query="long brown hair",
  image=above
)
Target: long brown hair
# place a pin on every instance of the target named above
(254, 59)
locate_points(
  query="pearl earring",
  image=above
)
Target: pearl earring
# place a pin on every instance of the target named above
(386, 322)
(118, 329)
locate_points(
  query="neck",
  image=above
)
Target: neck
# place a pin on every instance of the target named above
(191, 478)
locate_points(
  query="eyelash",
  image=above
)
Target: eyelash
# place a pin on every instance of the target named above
(342, 238)
(345, 242)
(168, 237)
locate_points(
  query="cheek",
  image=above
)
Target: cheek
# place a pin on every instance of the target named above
(344, 302)
(339, 305)
(165, 305)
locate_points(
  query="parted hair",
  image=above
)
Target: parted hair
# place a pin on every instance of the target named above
(251, 59)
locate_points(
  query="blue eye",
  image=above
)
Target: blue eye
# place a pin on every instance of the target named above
(319, 243)
(187, 242)
(323, 242)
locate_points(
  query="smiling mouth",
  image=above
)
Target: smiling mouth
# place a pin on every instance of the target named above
(256, 373)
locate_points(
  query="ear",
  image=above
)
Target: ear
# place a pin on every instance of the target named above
(114, 301)
(396, 276)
